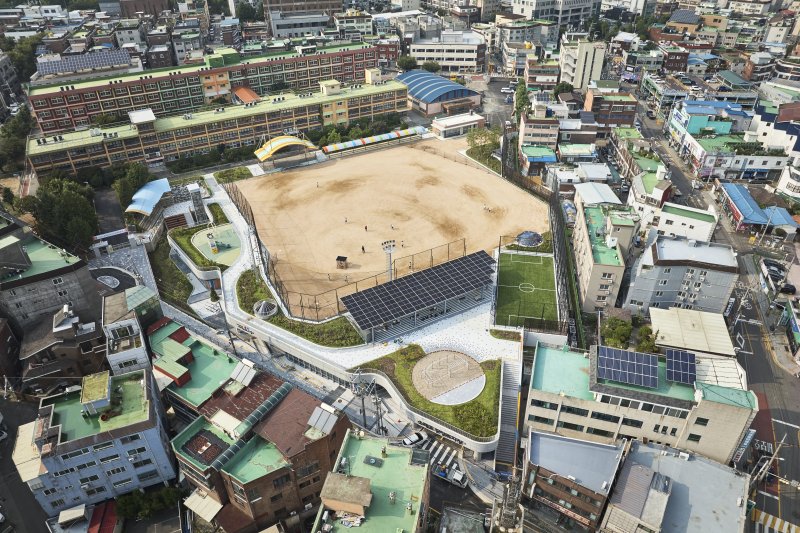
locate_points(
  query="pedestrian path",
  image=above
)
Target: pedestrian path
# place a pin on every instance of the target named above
(770, 524)
(440, 452)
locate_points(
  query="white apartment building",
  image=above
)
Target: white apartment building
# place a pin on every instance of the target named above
(123, 313)
(572, 13)
(455, 51)
(634, 6)
(681, 272)
(749, 7)
(96, 441)
(580, 60)
(297, 24)
(649, 191)
(778, 127)
(709, 416)
(602, 238)
(683, 221)
(789, 183)
(353, 23)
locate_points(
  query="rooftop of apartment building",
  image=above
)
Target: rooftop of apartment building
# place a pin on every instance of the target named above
(383, 483)
(712, 107)
(611, 97)
(209, 368)
(221, 57)
(76, 139)
(668, 250)
(29, 256)
(650, 182)
(688, 212)
(692, 330)
(735, 144)
(127, 401)
(590, 464)
(561, 371)
(648, 162)
(602, 252)
(454, 37)
(653, 473)
(627, 133)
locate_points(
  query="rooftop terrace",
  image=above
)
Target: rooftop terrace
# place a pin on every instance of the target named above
(602, 253)
(201, 443)
(44, 257)
(694, 214)
(128, 407)
(256, 459)
(395, 474)
(627, 133)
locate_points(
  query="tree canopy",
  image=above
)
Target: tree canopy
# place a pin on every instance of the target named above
(13, 137)
(431, 66)
(246, 13)
(616, 332)
(22, 54)
(646, 340)
(406, 63)
(562, 87)
(131, 177)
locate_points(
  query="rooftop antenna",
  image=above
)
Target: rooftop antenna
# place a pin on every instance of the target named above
(388, 248)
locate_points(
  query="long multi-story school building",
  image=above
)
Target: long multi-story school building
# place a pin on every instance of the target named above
(150, 139)
(175, 90)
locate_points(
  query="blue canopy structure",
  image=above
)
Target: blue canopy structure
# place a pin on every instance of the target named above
(744, 203)
(428, 88)
(146, 198)
(779, 216)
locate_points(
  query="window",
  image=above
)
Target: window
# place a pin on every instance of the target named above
(150, 474)
(281, 481)
(48, 492)
(308, 469)
(137, 451)
(130, 438)
(115, 471)
(663, 282)
(605, 417)
(673, 432)
(599, 432)
(569, 425)
(139, 464)
(669, 222)
(544, 405)
(656, 428)
(604, 287)
(701, 421)
(667, 270)
(57, 281)
(693, 438)
(607, 275)
(540, 420)
(276, 498)
(253, 495)
(574, 411)
(631, 422)
(96, 490)
(122, 482)
(89, 479)
(86, 465)
(64, 472)
(57, 503)
(76, 453)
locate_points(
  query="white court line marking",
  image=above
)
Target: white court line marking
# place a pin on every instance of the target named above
(768, 495)
(795, 426)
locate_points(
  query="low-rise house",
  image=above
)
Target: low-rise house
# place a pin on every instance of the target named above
(685, 221)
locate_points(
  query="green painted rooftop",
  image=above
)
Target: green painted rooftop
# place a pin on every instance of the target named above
(627, 133)
(602, 253)
(537, 151)
(618, 97)
(728, 395)
(647, 164)
(231, 57)
(619, 220)
(257, 459)
(44, 257)
(198, 424)
(719, 142)
(396, 474)
(127, 407)
(649, 181)
(560, 370)
(77, 139)
(688, 213)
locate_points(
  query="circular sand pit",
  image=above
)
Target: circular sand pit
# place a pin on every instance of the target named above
(448, 378)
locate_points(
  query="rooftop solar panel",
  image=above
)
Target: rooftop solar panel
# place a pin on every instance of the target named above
(92, 60)
(681, 366)
(420, 290)
(632, 368)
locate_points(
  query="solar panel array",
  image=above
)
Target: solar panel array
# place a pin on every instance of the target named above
(420, 290)
(84, 62)
(632, 368)
(243, 373)
(681, 366)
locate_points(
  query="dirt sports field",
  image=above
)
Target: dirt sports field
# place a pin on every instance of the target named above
(309, 216)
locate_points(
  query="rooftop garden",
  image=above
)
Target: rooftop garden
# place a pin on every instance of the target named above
(477, 417)
(183, 238)
(336, 333)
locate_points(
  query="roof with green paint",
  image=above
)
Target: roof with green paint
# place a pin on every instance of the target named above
(560, 370)
(627, 133)
(257, 459)
(128, 406)
(647, 164)
(199, 424)
(649, 181)
(719, 142)
(673, 209)
(396, 474)
(537, 151)
(602, 253)
(727, 395)
(618, 97)
(619, 220)
(210, 370)
(43, 256)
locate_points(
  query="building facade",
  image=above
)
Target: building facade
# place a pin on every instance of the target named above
(455, 51)
(580, 60)
(562, 12)
(684, 221)
(675, 271)
(611, 110)
(66, 461)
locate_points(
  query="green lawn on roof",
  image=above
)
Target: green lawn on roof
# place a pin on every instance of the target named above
(526, 289)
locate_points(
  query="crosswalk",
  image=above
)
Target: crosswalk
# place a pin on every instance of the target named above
(440, 452)
(766, 523)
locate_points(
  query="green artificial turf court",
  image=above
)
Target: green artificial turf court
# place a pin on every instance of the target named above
(526, 288)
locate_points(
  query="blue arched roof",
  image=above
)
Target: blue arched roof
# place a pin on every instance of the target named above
(146, 198)
(427, 87)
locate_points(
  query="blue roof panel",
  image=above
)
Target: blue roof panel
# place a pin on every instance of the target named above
(427, 87)
(146, 198)
(745, 203)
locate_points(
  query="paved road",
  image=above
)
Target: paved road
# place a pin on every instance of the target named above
(16, 500)
(109, 212)
(778, 392)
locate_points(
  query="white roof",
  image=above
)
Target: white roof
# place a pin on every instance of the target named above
(75, 513)
(162, 380)
(725, 372)
(227, 422)
(26, 455)
(142, 115)
(458, 120)
(594, 171)
(682, 249)
(691, 330)
(596, 193)
(203, 504)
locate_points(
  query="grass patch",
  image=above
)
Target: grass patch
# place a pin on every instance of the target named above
(183, 238)
(172, 284)
(504, 335)
(525, 289)
(336, 333)
(218, 214)
(232, 174)
(477, 417)
(484, 157)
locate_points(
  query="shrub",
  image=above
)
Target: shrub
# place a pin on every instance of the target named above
(616, 332)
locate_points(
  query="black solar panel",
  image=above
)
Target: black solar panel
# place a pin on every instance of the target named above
(681, 366)
(622, 366)
(84, 62)
(420, 290)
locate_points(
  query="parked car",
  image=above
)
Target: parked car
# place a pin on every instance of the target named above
(651, 115)
(771, 263)
(788, 289)
(415, 439)
(507, 90)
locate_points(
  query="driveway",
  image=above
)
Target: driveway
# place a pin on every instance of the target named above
(109, 212)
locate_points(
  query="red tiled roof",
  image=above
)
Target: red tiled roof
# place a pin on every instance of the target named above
(200, 441)
(241, 405)
(232, 520)
(286, 424)
(246, 95)
(789, 112)
(180, 335)
(104, 518)
(158, 325)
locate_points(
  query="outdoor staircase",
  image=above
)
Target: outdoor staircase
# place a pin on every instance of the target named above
(507, 442)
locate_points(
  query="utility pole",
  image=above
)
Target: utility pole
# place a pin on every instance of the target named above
(362, 390)
(762, 471)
